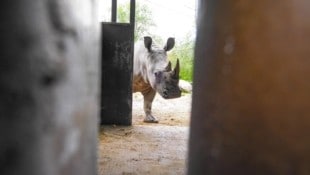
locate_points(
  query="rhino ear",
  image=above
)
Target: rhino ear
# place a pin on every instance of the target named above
(148, 43)
(170, 44)
(176, 70)
(168, 67)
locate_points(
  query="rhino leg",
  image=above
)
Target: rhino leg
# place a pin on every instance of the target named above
(148, 99)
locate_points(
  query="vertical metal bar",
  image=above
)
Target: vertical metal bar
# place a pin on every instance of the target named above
(132, 16)
(132, 11)
(114, 10)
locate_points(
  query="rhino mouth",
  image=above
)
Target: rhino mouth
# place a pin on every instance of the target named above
(171, 94)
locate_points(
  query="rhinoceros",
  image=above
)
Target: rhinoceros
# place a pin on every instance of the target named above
(152, 73)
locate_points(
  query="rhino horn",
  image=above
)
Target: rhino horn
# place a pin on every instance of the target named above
(168, 68)
(176, 70)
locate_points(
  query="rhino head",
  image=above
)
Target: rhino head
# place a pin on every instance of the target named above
(164, 80)
(167, 82)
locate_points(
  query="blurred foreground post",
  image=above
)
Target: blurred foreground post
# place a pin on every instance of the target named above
(49, 87)
(251, 99)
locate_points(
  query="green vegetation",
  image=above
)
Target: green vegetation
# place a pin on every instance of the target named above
(184, 47)
(184, 51)
(143, 19)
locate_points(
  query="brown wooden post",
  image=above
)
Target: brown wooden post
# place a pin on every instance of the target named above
(49, 87)
(251, 99)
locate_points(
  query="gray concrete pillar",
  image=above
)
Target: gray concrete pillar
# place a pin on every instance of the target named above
(49, 87)
(251, 100)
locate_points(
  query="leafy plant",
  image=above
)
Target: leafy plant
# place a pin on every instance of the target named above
(184, 51)
(143, 18)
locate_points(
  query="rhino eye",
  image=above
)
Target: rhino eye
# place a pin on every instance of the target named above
(158, 76)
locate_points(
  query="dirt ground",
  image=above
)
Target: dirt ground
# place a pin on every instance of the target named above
(144, 148)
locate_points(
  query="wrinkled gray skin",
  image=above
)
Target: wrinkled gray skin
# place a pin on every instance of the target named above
(152, 73)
